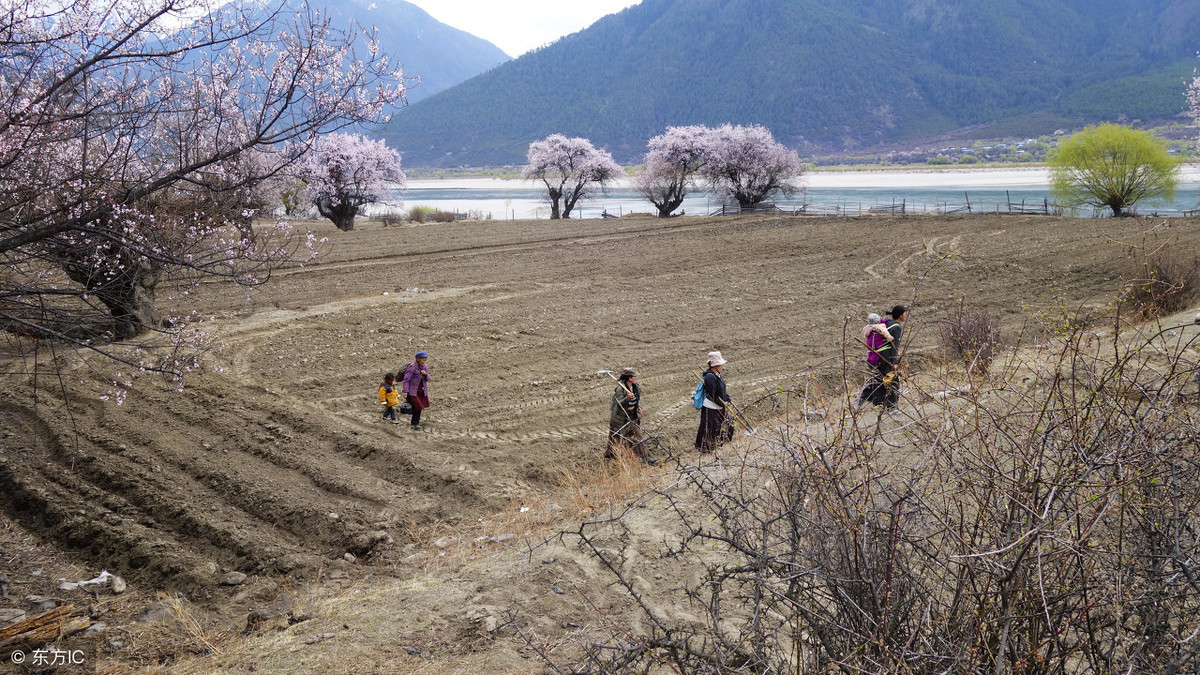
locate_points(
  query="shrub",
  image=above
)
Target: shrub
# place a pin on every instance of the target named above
(419, 214)
(428, 214)
(973, 336)
(1160, 282)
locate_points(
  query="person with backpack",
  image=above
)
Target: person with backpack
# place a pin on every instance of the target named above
(715, 428)
(415, 385)
(625, 417)
(389, 398)
(883, 356)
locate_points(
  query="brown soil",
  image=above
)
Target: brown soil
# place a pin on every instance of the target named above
(280, 465)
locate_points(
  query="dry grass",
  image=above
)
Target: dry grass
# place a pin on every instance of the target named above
(598, 486)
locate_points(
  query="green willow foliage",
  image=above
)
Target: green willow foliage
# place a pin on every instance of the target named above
(1112, 166)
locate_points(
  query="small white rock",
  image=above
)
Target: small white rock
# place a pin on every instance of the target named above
(233, 579)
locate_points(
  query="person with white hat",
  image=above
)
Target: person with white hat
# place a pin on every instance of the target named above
(715, 428)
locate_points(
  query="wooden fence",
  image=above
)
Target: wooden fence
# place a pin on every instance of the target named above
(900, 207)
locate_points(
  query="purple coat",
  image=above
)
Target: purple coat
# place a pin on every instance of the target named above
(415, 382)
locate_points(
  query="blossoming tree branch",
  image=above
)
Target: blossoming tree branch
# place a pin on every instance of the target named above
(139, 140)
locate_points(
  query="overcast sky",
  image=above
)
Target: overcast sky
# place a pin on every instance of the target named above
(516, 26)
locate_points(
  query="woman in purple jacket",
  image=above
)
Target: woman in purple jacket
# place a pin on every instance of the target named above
(415, 386)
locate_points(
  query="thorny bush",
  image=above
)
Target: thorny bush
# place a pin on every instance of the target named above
(971, 336)
(1160, 281)
(1044, 522)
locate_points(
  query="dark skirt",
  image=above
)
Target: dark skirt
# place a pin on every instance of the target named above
(876, 392)
(420, 401)
(714, 430)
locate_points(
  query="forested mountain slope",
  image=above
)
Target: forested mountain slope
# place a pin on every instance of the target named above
(821, 74)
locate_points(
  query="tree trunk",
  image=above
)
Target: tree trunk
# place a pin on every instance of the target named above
(569, 201)
(131, 304)
(668, 206)
(341, 214)
(128, 294)
(555, 213)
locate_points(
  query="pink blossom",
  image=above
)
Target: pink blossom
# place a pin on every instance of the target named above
(674, 159)
(343, 172)
(747, 164)
(571, 169)
(133, 155)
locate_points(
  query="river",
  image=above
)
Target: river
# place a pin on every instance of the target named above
(851, 192)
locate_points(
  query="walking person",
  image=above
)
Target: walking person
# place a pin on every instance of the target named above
(389, 397)
(415, 386)
(625, 417)
(715, 427)
(878, 339)
(884, 358)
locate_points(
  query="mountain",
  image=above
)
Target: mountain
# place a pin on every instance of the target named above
(440, 55)
(823, 75)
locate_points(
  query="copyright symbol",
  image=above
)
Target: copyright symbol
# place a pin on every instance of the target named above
(18, 657)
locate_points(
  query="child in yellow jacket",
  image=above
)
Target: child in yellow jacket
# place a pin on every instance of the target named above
(390, 397)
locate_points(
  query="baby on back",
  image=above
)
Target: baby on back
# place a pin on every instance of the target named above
(876, 335)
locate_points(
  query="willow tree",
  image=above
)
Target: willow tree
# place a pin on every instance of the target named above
(1112, 166)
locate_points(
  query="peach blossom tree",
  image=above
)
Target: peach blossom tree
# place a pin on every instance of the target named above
(344, 172)
(672, 164)
(135, 143)
(747, 164)
(570, 168)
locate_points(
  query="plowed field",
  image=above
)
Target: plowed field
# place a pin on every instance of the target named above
(281, 463)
